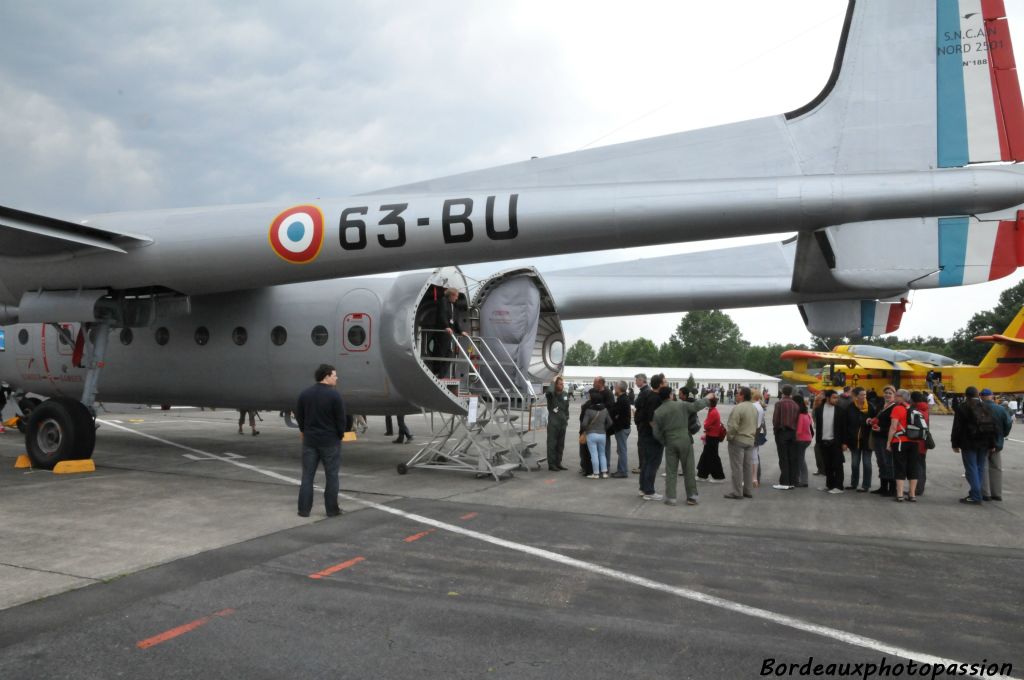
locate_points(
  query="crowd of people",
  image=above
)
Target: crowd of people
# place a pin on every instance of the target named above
(886, 435)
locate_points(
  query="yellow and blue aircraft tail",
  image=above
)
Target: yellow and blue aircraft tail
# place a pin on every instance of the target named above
(1007, 354)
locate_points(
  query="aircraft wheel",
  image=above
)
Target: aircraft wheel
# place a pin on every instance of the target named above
(402, 468)
(59, 429)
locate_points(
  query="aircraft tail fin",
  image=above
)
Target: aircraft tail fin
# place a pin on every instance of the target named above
(903, 98)
(1007, 347)
(980, 114)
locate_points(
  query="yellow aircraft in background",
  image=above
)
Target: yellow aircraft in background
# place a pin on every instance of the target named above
(875, 367)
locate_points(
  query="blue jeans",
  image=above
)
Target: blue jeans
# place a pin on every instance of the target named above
(860, 458)
(620, 440)
(312, 456)
(974, 467)
(598, 457)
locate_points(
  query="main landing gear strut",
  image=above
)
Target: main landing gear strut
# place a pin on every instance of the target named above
(63, 428)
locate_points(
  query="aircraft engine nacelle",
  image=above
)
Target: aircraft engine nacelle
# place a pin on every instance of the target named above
(853, 318)
(259, 348)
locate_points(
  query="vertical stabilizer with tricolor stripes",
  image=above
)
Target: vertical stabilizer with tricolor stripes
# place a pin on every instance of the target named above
(980, 115)
(917, 84)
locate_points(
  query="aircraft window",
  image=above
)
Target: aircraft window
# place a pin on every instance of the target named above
(239, 336)
(356, 336)
(556, 350)
(126, 336)
(319, 336)
(162, 335)
(202, 335)
(278, 335)
(23, 336)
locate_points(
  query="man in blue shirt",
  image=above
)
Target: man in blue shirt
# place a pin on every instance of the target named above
(320, 414)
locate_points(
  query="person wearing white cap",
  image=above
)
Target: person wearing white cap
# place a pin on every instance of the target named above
(992, 475)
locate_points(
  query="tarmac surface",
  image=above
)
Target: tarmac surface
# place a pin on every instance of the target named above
(183, 556)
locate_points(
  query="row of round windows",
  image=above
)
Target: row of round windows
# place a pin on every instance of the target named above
(278, 336)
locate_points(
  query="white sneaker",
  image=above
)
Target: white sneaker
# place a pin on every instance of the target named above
(712, 480)
(835, 491)
(662, 474)
(703, 479)
(592, 477)
(654, 497)
(781, 487)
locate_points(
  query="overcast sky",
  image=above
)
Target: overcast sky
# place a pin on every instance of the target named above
(117, 106)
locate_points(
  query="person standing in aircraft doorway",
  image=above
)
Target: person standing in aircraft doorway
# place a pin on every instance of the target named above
(448, 321)
(320, 414)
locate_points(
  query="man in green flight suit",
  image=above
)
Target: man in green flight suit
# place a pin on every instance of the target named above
(558, 421)
(672, 428)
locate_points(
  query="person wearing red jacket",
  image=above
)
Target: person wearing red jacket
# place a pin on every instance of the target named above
(709, 467)
(921, 404)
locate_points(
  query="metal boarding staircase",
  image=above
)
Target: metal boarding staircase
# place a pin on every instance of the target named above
(496, 441)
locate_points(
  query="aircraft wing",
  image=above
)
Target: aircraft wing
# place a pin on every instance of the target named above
(1000, 340)
(822, 357)
(26, 234)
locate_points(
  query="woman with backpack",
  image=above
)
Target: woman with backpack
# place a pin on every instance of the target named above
(904, 450)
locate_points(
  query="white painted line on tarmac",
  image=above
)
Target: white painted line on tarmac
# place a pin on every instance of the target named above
(686, 593)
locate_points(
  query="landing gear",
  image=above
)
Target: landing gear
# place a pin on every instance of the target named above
(402, 468)
(62, 428)
(59, 429)
(26, 404)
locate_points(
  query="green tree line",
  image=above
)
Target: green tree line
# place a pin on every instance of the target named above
(712, 339)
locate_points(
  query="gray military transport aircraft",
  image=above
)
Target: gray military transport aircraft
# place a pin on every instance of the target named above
(900, 175)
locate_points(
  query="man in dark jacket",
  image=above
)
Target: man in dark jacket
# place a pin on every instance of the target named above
(651, 450)
(973, 436)
(829, 430)
(784, 419)
(447, 321)
(857, 439)
(622, 413)
(320, 414)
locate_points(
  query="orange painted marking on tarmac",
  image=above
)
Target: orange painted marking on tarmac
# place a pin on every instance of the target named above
(337, 567)
(181, 630)
(416, 537)
(550, 481)
(469, 515)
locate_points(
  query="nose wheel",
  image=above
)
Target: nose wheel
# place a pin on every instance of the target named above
(59, 429)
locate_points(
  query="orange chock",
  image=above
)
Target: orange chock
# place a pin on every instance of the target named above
(349, 437)
(71, 467)
(22, 462)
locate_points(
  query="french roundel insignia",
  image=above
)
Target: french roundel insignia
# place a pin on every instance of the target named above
(297, 234)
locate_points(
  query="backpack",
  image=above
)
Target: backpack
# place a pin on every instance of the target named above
(917, 428)
(981, 424)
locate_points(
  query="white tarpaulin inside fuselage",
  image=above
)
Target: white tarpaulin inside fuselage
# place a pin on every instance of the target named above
(509, 316)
